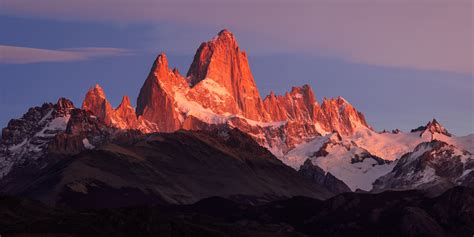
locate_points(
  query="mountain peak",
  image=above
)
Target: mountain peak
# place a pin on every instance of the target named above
(222, 61)
(124, 114)
(155, 102)
(96, 102)
(125, 102)
(161, 63)
(222, 49)
(226, 37)
(341, 100)
(432, 127)
(97, 91)
(342, 116)
(435, 127)
(64, 103)
(304, 90)
(225, 32)
(161, 58)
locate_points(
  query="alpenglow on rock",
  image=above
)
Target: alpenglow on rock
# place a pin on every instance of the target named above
(219, 89)
(123, 116)
(221, 61)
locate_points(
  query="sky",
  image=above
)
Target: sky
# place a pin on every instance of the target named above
(399, 62)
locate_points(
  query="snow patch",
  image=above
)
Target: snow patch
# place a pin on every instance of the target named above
(358, 175)
(388, 146)
(261, 124)
(339, 161)
(18, 146)
(54, 126)
(87, 144)
(192, 108)
(214, 87)
(296, 157)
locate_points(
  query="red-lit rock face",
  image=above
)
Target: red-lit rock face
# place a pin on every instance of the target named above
(221, 61)
(97, 103)
(220, 89)
(298, 105)
(123, 116)
(156, 101)
(341, 116)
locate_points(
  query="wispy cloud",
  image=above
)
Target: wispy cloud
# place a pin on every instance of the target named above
(420, 34)
(24, 55)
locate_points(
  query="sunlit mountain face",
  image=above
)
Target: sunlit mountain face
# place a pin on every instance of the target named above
(206, 150)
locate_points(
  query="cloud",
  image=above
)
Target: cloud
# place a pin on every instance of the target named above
(419, 34)
(24, 55)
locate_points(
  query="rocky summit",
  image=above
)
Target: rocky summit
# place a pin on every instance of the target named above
(209, 133)
(219, 89)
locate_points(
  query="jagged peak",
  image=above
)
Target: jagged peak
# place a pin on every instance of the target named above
(161, 63)
(162, 58)
(217, 47)
(64, 103)
(96, 90)
(306, 87)
(124, 115)
(304, 90)
(96, 102)
(63, 107)
(338, 100)
(295, 90)
(341, 100)
(224, 36)
(224, 32)
(125, 102)
(432, 127)
(271, 95)
(433, 123)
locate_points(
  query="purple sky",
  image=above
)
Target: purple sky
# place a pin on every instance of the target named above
(399, 62)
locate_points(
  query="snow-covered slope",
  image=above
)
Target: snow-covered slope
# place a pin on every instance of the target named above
(27, 138)
(435, 164)
(355, 166)
(47, 133)
(219, 91)
(391, 146)
(360, 159)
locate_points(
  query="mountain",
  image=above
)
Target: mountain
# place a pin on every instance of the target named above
(221, 62)
(219, 89)
(432, 127)
(340, 157)
(433, 165)
(361, 158)
(329, 145)
(122, 117)
(71, 157)
(27, 139)
(125, 114)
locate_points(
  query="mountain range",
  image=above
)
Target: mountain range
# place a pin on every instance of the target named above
(209, 133)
